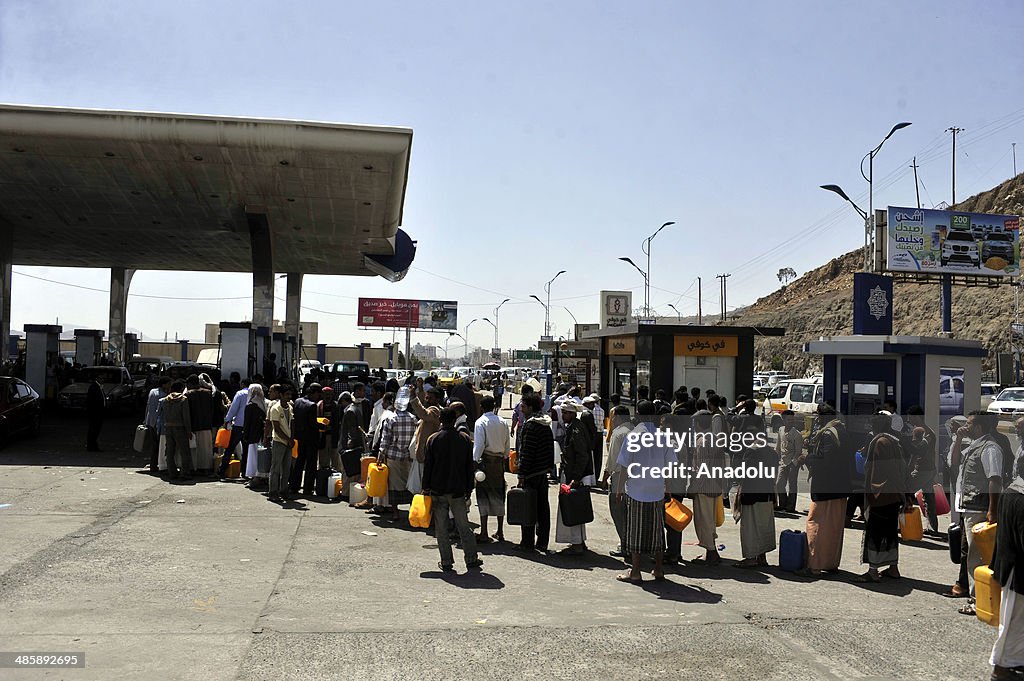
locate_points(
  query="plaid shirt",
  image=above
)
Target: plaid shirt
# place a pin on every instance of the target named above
(397, 434)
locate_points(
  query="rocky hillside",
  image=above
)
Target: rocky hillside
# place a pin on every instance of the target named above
(820, 303)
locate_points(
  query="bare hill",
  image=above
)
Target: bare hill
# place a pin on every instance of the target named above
(820, 303)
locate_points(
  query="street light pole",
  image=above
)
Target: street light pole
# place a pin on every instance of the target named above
(679, 315)
(575, 323)
(485, 319)
(467, 334)
(646, 248)
(870, 221)
(547, 307)
(542, 304)
(496, 323)
(644, 275)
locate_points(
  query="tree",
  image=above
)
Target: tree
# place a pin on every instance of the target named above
(786, 275)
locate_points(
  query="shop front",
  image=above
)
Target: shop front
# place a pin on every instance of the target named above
(667, 356)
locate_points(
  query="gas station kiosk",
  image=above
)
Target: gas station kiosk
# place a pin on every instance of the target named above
(941, 375)
(42, 351)
(861, 372)
(88, 346)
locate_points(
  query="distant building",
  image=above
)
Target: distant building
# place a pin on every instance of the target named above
(425, 352)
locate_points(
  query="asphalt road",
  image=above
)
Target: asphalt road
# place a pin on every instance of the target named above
(211, 581)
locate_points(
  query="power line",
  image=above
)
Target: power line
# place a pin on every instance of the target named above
(135, 295)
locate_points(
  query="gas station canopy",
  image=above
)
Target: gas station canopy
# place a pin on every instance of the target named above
(167, 191)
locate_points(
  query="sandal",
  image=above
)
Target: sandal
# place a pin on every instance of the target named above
(956, 591)
(967, 609)
(626, 577)
(867, 578)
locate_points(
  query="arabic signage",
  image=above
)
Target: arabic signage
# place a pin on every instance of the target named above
(622, 345)
(527, 354)
(426, 315)
(707, 346)
(872, 304)
(953, 242)
(616, 308)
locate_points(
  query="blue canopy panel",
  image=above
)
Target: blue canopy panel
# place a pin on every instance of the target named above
(393, 267)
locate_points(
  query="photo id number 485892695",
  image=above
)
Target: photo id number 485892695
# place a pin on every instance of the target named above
(35, 659)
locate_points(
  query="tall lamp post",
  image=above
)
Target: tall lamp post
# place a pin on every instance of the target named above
(647, 311)
(576, 323)
(464, 338)
(495, 324)
(450, 334)
(547, 306)
(485, 319)
(870, 157)
(679, 315)
(646, 247)
(546, 316)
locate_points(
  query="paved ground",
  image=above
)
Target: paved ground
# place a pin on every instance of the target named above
(211, 581)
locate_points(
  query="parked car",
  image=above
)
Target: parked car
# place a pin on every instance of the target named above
(306, 367)
(1009, 404)
(960, 248)
(145, 372)
(20, 409)
(447, 378)
(951, 395)
(988, 393)
(802, 396)
(398, 374)
(179, 371)
(344, 374)
(998, 245)
(116, 383)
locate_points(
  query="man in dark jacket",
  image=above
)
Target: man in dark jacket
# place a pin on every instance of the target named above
(306, 430)
(448, 479)
(201, 413)
(95, 405)
(577, 464)
(465, 393)
(535, 448)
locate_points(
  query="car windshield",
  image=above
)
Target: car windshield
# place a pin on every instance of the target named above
(778, 391)
(1011, 396)
(445, 374)
(958, 235)
(999, 236)
(101, 375)
(182, 371)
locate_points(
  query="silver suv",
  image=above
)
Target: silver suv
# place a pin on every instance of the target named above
(960, 248)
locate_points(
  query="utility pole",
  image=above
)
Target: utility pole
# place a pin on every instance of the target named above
(723, 277)
(946, 298)
(1013, 148)
(954, 130)
(917, 187)
(700, 311)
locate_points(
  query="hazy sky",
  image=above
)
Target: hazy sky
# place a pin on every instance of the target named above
(552, 135)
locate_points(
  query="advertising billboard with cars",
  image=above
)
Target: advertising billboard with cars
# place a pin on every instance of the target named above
(952, 242)
(425, 315)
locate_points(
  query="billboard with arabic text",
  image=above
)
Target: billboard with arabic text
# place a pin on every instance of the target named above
(425, 315)
(952, 242)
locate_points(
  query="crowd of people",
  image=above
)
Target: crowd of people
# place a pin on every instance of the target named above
(446, 444)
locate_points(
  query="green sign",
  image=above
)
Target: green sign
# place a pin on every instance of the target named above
(527, 354)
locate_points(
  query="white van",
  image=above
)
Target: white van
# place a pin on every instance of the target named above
(801, 396)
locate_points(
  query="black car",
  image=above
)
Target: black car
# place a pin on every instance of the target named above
(19, 409)
(179, 371)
